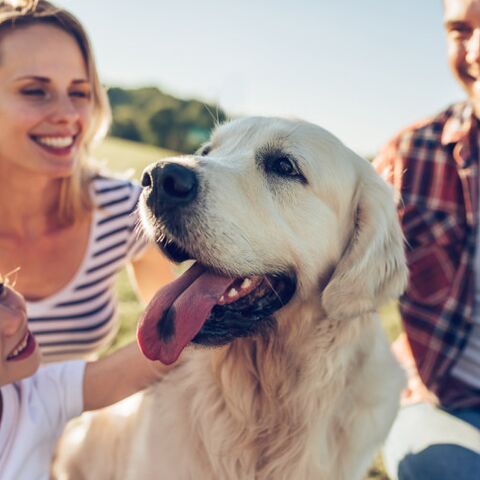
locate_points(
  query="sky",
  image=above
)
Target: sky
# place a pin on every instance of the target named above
(362, 69)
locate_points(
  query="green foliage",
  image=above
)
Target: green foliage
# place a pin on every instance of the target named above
(122, 156)
(150, 116)
(126, 128)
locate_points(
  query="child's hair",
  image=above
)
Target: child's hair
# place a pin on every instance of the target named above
(16, 14)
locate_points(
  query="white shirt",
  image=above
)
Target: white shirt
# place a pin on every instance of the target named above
(35, 411)
(467, 368)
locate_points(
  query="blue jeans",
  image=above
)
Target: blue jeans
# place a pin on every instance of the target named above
(428, 443)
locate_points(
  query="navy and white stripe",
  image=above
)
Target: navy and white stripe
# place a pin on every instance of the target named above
(80, 319)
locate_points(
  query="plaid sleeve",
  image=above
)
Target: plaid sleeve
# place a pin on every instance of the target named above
(433, 302)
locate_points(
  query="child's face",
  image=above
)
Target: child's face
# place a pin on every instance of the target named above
(19, 355)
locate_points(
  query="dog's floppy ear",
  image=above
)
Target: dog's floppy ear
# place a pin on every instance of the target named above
(372, 268)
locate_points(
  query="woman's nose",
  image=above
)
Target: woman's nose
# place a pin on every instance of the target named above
(64, 111)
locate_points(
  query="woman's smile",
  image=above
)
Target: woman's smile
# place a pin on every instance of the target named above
(45, 104)
(60, 145)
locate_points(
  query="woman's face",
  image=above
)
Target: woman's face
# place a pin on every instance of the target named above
(19, 355)
(45, 101)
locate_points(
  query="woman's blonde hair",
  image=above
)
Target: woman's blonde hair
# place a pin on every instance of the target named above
(75, 198)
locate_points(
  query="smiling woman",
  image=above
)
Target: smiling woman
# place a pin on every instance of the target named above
(68, 226)
(45, 104)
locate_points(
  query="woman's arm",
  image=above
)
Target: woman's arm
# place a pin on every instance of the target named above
(118, 376)
(150, 272)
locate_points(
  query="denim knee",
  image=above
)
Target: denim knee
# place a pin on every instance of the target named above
(440, 462)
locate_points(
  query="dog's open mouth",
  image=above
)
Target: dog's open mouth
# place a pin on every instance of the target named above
(208, 308)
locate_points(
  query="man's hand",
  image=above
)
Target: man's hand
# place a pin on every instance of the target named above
(416, 391)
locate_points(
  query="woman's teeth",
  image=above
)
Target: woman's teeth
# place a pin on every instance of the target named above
(56, 142)
(20, 347)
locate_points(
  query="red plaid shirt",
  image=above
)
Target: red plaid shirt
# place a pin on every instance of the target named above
(434, 167)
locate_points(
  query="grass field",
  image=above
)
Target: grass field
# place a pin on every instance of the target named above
(121, 156)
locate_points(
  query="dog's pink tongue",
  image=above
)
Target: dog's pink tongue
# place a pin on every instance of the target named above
(177, 312)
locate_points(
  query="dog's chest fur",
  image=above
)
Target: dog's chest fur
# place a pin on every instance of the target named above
(256, 409)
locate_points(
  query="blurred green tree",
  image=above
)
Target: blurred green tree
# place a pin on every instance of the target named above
(148, 115)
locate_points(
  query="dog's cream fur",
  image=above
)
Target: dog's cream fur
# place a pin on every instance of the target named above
(315, 397)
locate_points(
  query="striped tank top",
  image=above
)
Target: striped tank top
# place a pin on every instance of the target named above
(80, 319)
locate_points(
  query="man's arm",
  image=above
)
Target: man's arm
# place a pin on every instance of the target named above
(390, 166)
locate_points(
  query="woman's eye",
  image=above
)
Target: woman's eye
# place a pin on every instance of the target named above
(80, 94)
(34, 92)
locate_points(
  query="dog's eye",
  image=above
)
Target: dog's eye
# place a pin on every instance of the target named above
(284, 166)
(279, 164)
(204, 150)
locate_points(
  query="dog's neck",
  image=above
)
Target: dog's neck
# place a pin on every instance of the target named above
(291, 349)
(286, 380)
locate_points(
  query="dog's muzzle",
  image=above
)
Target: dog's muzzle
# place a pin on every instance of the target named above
(168, 185)
(205, 305)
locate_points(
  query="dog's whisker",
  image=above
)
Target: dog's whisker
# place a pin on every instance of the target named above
(274, 291)
(213, 116)
(138, 227)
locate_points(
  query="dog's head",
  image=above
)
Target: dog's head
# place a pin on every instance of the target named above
(269, 209)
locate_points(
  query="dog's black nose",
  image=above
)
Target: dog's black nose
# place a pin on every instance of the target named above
(146, 179)
(171, 184)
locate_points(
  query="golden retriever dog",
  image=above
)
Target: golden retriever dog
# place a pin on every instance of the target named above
(296, 243)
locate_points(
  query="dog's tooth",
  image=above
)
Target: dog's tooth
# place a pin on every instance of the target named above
(222, 298)
(232, 293)
(246, 283)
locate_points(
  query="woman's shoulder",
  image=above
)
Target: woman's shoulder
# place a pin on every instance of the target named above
(105, 185)
(115, 202)
(114, 192)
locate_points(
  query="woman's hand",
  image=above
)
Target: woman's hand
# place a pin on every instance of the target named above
(119, 375)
